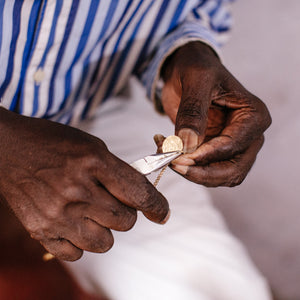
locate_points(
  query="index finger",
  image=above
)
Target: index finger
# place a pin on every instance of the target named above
(132, 188)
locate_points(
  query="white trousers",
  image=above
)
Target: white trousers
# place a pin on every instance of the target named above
(193, 256)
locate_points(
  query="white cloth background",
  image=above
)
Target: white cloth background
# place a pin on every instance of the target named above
(191, 257)
(263, 54)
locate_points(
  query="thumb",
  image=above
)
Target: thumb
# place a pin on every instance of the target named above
(191, 119)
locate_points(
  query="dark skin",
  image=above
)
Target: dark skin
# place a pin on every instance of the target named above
(69, 191)
(220, 122)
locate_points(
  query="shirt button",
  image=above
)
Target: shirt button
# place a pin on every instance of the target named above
(39, 75)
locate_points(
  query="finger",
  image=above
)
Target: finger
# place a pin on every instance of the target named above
(159, 139)
(62, 249)
(132, 188)
(216, 149)
(223, 173)
(224, 146)
(248, 110)
(104, 209)
(247, 120)
(191, 120)
(86, 234)
(111, 213)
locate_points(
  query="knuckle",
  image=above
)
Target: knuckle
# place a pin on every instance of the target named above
(92, 157)
(154, 206)
(53, 212)
(263, 116)
(101, 145)
(37, 229)
(37, 234)
(149, 200)
(73, 209)
(90, 161)
(76, 192)
(191, 112)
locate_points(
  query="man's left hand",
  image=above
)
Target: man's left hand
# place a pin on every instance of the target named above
(220, 122)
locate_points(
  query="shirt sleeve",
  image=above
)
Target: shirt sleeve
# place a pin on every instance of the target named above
(208, 22)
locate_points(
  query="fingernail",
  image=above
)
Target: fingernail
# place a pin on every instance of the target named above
(183, 161)
(189, 138)
(180, 169)
(166, 219)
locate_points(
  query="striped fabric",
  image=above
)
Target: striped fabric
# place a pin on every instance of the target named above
(60, 58)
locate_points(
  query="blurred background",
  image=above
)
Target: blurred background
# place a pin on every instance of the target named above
(264, 212)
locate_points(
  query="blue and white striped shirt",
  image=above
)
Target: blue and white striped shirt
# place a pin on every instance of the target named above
(60, 58)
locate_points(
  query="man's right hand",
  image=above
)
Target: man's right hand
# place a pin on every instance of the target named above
(67, 189)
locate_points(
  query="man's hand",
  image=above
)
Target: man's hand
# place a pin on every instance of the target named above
(219, 121)
(67, 189)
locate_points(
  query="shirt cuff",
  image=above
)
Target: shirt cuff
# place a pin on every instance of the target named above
(187, 32)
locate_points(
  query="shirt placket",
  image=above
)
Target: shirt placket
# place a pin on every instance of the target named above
(37, 73)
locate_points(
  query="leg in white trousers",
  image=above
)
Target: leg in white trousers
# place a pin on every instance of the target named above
(191, 257)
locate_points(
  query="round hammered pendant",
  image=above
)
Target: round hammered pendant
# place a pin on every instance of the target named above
(172, 143)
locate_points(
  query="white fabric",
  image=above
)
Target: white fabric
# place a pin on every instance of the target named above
(191, 257)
